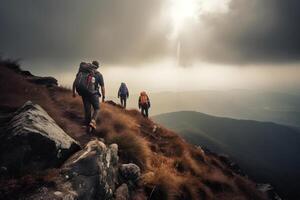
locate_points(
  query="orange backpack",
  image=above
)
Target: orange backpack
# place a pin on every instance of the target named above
(144, 98)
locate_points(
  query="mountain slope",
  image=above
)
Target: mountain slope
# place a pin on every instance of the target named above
(267, 151)
(171, 168)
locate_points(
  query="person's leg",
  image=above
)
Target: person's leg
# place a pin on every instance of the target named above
(142, 110)
(87, 109)
(146, 111)
(125, 99)
(96, 106)
(122, 101)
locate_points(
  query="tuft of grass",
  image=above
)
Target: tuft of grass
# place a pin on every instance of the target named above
(194, 189)
(162, 184)
(249, 189)
(132, 148)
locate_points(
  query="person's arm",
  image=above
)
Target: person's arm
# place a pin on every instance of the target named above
(103, 93)
(74, 88)
(127, 93)
(139, 103)
(101, 83)
(149, 105)
(119, 92)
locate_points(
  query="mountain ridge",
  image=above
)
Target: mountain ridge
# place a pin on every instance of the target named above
(170, 167)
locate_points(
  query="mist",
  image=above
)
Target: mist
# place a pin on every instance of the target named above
(168, 76)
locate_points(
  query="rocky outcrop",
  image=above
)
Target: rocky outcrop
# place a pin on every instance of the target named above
(47, 81)
(33, 141)
(14, 66)
(130, 172)
(122, 192)
(92, 173)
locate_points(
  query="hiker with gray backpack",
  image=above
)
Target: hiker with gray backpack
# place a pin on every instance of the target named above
(123, 94)
(86, 84)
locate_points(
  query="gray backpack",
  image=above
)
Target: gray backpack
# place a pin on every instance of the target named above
(85, 79)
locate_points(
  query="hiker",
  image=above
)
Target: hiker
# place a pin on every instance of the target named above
(86, 84)
(144, 103)
(123, 94)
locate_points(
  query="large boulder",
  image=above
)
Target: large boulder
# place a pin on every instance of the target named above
(92, 173)
(130, 172)
(32, 141)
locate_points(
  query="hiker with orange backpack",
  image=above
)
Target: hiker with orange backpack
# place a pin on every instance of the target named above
(144, 103)
(86, 84)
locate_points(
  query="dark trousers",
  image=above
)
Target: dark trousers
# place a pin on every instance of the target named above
(123, 101)
(90, 101)
(144, 110)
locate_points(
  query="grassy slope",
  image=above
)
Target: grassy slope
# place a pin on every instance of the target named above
(172, 169)
(267, 151)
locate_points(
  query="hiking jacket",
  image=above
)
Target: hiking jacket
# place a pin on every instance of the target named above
(144, 105)
(123, 91)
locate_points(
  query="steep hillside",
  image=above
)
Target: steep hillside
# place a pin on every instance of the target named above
(268, 152)
(171, 168)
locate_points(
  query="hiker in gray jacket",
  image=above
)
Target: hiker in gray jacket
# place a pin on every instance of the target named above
(86, 84)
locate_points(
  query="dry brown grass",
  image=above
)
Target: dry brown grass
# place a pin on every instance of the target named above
(132, 148)
(11, 189)
(17, 90)
(161, 184)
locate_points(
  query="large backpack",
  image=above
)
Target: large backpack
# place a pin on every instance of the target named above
(123, 90)
(85, 79)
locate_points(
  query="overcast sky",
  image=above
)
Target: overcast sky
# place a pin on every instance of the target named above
(53, 36)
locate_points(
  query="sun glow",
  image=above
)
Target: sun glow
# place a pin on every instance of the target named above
(182, 11)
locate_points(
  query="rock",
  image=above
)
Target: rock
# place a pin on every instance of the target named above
(47, 81)
(58, 194)
(33, 141)
(155, 127)
(130, 172)
(92, 172)
(26, 73)
(269, 191)
(122, 192)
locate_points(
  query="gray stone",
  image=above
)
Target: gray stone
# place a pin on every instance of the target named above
(33, 141)
(122, 192)
(92, 172)
(130, 172)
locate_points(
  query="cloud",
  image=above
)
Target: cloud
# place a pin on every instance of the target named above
(114, 30)
(136, 31)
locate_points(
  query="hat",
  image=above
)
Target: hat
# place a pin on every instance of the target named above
(96, 63)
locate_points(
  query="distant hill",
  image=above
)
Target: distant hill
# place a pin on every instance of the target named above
(266, 151)
(241, 104)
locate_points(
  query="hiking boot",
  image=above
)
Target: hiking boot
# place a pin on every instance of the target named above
(93, 124)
